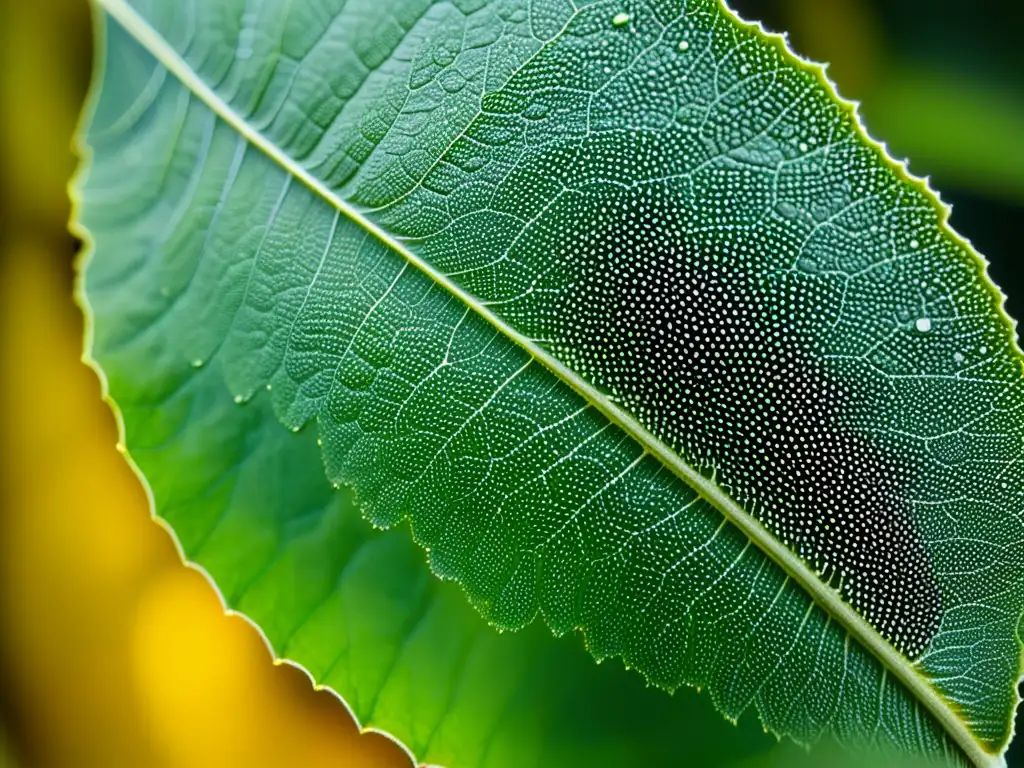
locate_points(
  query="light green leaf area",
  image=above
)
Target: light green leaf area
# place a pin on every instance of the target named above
(618, 307)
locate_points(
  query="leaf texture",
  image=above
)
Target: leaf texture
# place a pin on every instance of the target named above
(359, 610)
(616, 304)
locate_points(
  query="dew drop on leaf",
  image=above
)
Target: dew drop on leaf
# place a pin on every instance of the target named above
(786, 210)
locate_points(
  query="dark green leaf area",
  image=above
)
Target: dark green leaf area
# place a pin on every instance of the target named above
(712, 360)
(681, 136)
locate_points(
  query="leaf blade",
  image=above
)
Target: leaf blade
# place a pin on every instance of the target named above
(296, 418)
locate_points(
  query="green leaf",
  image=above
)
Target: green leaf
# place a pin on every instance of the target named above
(616, 304)
(359, 610)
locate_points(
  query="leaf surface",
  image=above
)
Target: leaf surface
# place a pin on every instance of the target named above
(618, 307)
(359, 610)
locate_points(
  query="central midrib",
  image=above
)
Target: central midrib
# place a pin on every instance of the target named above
(825, 596)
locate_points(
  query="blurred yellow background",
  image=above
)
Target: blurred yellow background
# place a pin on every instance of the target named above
(115, 654)
(111, 652)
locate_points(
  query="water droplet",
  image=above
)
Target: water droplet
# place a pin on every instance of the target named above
(684, 46)
(120, 447)
(787, 210)
(958, 358)
(923, 324)
(914, 244)
(620, 19)
(197, 363)
(803, 146)
(239, 399)
(538, 110)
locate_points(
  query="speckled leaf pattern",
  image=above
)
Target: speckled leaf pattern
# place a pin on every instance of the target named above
(614, 302)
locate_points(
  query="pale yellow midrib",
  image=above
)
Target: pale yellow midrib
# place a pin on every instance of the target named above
(826, 597)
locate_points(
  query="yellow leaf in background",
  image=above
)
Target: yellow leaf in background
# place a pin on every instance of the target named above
(115, 653)
(234, 715)
(73, 544)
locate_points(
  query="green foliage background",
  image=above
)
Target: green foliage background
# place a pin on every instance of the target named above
(940, 81)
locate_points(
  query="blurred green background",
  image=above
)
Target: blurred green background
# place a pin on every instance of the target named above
(111, 652)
